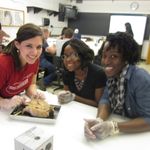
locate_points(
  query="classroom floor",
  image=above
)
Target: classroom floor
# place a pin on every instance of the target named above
(141, 64)
(144, 65)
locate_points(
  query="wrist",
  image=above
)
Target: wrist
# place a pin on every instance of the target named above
(73, 96)
(115, 127)
(99, 119)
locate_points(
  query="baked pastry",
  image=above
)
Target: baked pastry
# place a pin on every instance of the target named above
(39, 108)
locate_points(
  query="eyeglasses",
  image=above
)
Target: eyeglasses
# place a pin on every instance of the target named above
(71, 56)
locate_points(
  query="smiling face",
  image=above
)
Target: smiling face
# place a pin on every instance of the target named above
(71, 59)
(29, 50)
(113, 61)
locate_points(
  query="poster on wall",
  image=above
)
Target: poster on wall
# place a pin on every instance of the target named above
(11, 17)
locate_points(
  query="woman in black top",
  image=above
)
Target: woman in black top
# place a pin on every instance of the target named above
(83, 81)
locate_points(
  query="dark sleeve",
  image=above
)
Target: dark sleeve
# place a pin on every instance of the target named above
(100, 78)
(66, 77)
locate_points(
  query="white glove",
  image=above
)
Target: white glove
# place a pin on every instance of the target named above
(104, 129)
(12, 102)
(87, 127)
(38, 95)
(65, 97)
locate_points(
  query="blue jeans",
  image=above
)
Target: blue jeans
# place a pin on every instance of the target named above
(51, 71)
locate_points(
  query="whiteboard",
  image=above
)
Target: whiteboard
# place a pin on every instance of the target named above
(138, 23)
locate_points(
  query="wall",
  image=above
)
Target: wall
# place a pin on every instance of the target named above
(112, 6)
(35, 18)
(97, 6)
(116, 6)
(38, 19)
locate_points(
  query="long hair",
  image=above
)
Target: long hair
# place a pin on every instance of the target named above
(0, 26)
(25, 32)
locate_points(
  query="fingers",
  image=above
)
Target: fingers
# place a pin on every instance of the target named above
(87, 132)
(61, 100)
(92, 122)
(39, 95)
(96, 127)
(89, 136)
(26, 99)
(62, 93)
(64, 97)
(14, 101)
(17, 100)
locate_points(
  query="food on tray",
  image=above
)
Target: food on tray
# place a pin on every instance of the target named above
(39, 108)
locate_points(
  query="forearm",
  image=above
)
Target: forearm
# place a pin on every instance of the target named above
(2, 102)
(31, 90)
(134, 126)
(86, 101)
(103, 111)
(83, 100)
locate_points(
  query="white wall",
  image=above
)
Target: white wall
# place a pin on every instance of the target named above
(112, 6)
(101, 6)
(34, 18)
(38, 19)
(116, 6)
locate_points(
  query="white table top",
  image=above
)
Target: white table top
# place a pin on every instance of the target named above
(68, 130)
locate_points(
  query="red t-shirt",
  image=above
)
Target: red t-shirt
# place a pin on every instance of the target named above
(13, 82)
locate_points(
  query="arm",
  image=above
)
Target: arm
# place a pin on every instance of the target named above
(101, 129)
(103, 111)
(8, 103)
(31, 90)
(98, 94)
(131, 126)
(140, 103)
(134, 126)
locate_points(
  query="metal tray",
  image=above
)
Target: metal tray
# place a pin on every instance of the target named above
(17, 114)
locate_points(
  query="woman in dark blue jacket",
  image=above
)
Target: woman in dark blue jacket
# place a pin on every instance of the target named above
(127, 92)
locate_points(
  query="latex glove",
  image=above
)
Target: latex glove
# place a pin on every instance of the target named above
(12, 102)
(26, 99)
(65, 97)
(105, 129)
(87, 127)
(38, 95)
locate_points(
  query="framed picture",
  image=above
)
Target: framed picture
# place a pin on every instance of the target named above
(11, 17)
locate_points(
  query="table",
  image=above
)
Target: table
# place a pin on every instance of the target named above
(68, 130)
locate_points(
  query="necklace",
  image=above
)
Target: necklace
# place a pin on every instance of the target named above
(80, 83)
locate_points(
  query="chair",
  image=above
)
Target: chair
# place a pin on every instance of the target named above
(41, 73)
(57, 61)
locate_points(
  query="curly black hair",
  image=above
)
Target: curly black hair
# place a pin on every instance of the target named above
(126, 45)
(85, 53)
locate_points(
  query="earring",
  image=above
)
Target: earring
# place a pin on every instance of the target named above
(17, 50)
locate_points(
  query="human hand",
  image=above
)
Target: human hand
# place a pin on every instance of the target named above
(26, 99)
(104, 129)
(87, 127)
(65, 97)
(12, 102)
(38, 95)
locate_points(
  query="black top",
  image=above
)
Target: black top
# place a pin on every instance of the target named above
(96, 78)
